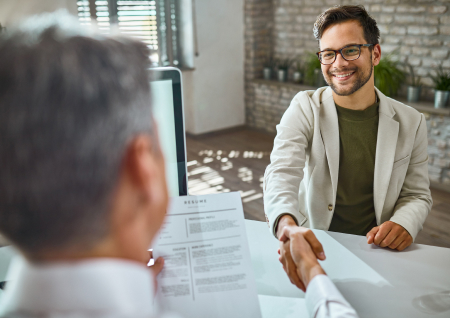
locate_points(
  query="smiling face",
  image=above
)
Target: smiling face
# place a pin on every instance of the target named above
(348, 77)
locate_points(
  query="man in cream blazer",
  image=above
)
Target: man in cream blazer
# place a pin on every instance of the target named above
(313, 178)
(303, 175)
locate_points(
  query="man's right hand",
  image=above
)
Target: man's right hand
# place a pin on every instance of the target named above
(294, 255)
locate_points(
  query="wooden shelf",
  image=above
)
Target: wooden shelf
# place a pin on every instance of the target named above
(421, 106)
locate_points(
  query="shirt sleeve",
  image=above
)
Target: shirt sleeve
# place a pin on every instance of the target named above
(323, 300)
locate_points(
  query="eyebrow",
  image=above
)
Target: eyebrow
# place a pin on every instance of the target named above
(330, 49)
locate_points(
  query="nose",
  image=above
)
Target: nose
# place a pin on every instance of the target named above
(340, 62)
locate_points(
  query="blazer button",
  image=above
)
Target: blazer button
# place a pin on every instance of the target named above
(330, 207)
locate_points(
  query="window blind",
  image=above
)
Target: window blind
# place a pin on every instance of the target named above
(155, 22)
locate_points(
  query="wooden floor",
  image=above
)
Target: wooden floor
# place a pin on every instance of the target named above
(236, 160)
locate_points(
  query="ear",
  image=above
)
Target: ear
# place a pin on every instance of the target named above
(144, 166)
(376, 54)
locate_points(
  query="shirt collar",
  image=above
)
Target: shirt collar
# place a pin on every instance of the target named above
(90, 286)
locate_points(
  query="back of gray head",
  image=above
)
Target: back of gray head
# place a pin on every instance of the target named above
(69, 104)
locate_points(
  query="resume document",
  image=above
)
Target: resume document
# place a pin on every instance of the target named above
(207, 271)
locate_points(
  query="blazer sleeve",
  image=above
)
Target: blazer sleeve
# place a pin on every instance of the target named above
(285, 172)
(414, 202)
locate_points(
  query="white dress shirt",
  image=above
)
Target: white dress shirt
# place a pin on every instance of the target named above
(323, 300)
(117, 288)
(92, 288)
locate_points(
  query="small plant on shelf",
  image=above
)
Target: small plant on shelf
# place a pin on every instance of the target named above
(299, 71)
(415, 85)
(269, 65)
(442, 79)
(442, 87)
(283, 67)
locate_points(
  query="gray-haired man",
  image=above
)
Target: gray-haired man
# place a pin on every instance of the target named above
(82, 188)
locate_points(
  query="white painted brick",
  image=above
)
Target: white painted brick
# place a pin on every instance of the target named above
(437, 9)
(409, 19)
(411, 9)
(432, 42)
(429, 62)
(414, 61)
(434, 170)
(445, 19)
(397, 30)
(384, 29)
(375, 8)
(388, 48)
(422, 30)
(432, 20)
(443, 163)
(427, 81)
(385, 18)
(405, 50)
(439, 54)
(441, 144)
(410, 40)
(422, 51)
(389, 9)
(421, 71)
(392, 39)
(445, 30)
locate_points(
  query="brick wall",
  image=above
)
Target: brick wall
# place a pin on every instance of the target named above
(439, 148)
(418, 29)
(269, 103)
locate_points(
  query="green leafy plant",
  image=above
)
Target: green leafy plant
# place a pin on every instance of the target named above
(311, 63)
(442, 79)
(388, 76)
(414, 80)
(284, 64)
(270, 62)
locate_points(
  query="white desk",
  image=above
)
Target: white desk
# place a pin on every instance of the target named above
(378, 282)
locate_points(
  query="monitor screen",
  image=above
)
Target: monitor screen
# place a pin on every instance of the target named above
(168, 112)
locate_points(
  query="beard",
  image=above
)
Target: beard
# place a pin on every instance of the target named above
(361, 79)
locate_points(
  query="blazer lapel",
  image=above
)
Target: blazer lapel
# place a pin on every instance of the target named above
(329, 129)
(385, 152)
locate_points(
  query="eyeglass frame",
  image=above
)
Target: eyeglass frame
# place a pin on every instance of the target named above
(340, 52)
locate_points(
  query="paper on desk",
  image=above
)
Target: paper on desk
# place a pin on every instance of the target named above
(207, 271)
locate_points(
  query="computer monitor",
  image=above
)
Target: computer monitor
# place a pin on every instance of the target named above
(167, 102)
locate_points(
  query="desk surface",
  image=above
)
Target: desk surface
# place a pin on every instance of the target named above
(378, 282)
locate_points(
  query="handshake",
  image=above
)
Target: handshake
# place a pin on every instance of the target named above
(299, 251)
(299, 248)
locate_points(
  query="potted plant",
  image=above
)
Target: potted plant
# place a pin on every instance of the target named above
(413, 90)
(442, 87)
(388, 76)
(268, 67)
(298, 73)
(313, 71)
(283, 66)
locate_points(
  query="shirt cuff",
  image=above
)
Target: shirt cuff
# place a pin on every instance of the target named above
(322, 291)
(275, 224)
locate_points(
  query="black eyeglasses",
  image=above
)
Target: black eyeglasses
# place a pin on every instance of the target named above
(349, 53)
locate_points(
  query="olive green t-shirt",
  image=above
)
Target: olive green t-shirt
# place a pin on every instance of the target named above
(354, 211)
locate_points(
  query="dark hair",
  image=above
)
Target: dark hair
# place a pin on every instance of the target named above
(69, 105)
(339, 14)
